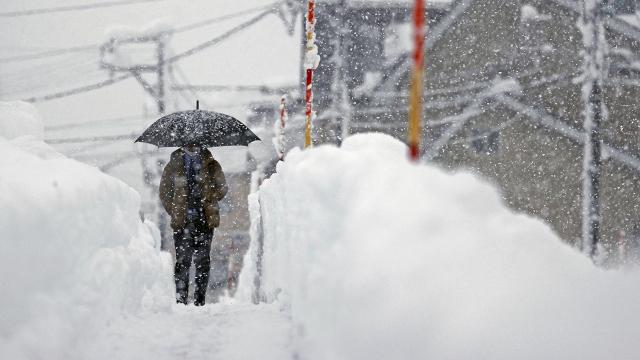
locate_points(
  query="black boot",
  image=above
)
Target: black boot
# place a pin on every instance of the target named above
(181, 297)
(199, 298)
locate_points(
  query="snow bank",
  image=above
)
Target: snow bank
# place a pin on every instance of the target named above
(73, 250)
(379, 258)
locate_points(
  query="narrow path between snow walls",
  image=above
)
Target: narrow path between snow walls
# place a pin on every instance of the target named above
(81, 278)
(378, 258)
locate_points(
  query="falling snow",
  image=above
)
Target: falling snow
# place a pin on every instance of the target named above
(515, 234)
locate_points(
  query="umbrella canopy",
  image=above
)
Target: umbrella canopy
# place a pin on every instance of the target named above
(197, 127)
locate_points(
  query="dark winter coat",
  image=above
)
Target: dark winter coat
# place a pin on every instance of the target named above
(174, 191)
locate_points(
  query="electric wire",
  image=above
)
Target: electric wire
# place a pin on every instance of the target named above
(93, 122)
(90, 139)
(74, 74)
(195, 94)
(49, 53)
(57, 77)
(222, 37)
(79, 90)
(43, 71)
(170, 60)
(214, 20)
(181, 94)
(68, 8)
(95, 47)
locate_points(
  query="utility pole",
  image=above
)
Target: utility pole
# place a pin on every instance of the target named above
(594, 41)
(160, 69)
(341, 97)
(152, 170)
(415, 94)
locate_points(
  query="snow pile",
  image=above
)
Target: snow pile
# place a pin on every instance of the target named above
(74, 253)
(379, 258)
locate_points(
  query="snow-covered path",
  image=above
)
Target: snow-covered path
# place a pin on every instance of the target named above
(217, 331)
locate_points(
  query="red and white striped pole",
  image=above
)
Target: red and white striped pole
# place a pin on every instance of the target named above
(415, 96)
(311, 61)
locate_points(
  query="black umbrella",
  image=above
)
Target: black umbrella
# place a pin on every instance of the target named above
(197, 127)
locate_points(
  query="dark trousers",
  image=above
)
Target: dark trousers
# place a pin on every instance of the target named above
(193, 242)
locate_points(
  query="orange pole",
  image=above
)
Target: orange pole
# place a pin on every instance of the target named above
(415, 95)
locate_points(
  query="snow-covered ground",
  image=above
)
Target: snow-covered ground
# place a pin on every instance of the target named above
(81, 275)
(366, 256)
(218, 331)
(379, 258)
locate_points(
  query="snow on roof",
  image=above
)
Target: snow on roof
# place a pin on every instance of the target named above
(152, 29)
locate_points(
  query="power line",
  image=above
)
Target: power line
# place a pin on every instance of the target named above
(47, 77)
(20, 69)
(44, 72)
(79, 89)
(194, 94)
(222, 18)
(93, 122)
(94, 138)
(49, 53)
(91, 47)
(72, 8)
(222, 37)
(170, 60)
(251, 88)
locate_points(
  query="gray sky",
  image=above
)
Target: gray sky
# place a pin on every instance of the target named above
(264, 53)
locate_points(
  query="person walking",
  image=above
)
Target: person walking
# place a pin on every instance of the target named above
(191, 186)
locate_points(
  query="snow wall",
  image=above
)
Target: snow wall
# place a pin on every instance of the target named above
(378, 258)
(74, 252)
